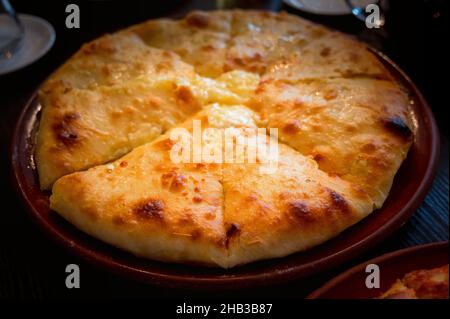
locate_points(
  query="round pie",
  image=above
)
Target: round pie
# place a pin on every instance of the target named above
(108, 114)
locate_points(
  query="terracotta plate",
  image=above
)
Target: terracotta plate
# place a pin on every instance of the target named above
(393, 266)
(410, 187)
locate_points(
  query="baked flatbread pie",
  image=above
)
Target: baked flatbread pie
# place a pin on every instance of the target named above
(109, 115)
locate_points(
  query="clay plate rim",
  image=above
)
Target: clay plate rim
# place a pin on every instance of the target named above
(414, 258)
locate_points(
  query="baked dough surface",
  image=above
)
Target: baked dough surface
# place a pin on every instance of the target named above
(344, 128)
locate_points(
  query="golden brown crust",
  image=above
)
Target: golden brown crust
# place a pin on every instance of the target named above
(160, 218)
(343, 123)
(80, 128)
(200, 39)
(291, 210)
(359, 128)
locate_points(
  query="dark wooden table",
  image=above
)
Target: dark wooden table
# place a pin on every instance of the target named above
(32, 266)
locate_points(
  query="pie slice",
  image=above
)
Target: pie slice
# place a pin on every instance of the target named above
(116, 94)
(330, 55)
(114, 59)
(148, 205)
(82, 128)
(200, 39)
(257, 36)
(295, 206)
(174, 211)
(358, 129)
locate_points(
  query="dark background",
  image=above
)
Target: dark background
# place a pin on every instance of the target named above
(32, 266)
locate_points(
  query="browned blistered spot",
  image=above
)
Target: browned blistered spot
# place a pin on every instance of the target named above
(204, 119)
(397, 126)
(338, 201)
(213, 166)
(90, 48)
(197, 190)
(351, 128)
(92, 213)
(251, 198)
(354, 56)
(232, 231)
(99, 46)
(300, 211)
(108, 69)
(196, 234)
(316, 127)
(238, 61)
(168, 54)
(178, 183)
(161, 167)
(118, 220)
(209, 216)
(246, 62)
(198, 20)
(185, 95)
(185, 219)
(255, 57)
(65, 130)
(368, 148)
(317, 32)
(150, 209)
(165, 144)
(257, 68)
(330, 94)
(208, 47)
(382, 161)
(291, 127)
(162, 66)
(260, 89)
(199, 165)
(123, 164)
(284, 194)
(325, 52)
(167, 177)
(197, 199)
(319, 157)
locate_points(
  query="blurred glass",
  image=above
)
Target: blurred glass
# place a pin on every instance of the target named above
(11, 30)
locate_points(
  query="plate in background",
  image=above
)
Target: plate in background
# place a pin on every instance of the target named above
(393, 266)
(327, 7)
(38, 38)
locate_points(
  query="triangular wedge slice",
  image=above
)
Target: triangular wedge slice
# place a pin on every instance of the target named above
(359, 129)
(200, 38)
(258, 36)
(330, 55)
(150, 205)
(82, 128)
(116, 94)
(290, 209)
